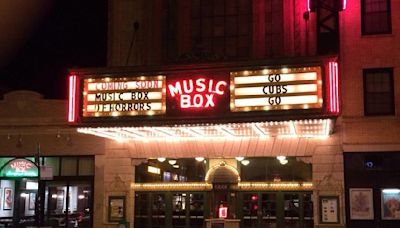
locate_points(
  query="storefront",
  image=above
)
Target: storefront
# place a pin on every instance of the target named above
(229, 145)
(372, 189)
(62, 199)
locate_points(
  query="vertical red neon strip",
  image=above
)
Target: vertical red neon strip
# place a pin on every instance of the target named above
(336, 88)
(333, 88)
(72, 99)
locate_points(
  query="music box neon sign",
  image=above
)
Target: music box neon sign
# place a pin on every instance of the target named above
(197, 93)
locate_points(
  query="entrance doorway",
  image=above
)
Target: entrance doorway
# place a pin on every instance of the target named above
(276, 209)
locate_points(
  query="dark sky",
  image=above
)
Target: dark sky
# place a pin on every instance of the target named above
(72, 33)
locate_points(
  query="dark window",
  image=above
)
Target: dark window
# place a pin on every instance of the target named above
(378, 91)
(221, 27)
(375, 16)
(274, 28)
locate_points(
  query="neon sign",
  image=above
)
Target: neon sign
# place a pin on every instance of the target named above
(198, 94)
(19, 168)
(222, 212)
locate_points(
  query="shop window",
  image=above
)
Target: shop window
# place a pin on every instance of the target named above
(378, 92)
(86, 166)
(375, 17)
(271, 169)
(53, 162)
(171, 170)
(69, 166)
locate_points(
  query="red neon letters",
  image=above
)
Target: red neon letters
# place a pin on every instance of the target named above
(197, 93)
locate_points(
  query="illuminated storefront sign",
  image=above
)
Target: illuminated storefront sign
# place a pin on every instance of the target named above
(134, 96)
(19, 168)
(276, 89)
(200, 93)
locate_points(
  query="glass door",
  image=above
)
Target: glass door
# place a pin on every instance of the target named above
(276, 209)
(68, 204)
(79, 204)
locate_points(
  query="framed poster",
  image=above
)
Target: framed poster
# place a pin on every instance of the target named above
(390, 204)
(32, 200)
(361, 204)
(116, 208)
(329, 209)
(8, 198)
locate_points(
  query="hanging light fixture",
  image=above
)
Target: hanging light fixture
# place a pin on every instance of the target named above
(161, 159)
(239, 158)
(172, 162)
(199, 159)
(245, 162)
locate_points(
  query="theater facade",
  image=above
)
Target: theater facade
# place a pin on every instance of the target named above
(235, 144)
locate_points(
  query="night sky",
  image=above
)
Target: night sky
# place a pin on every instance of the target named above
(72, 33)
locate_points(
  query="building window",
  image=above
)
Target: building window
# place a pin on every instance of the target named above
(375, 16)
(274, 28)
(221, 27)
(378, 91)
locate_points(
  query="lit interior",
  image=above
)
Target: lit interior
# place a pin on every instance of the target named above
(231, 131)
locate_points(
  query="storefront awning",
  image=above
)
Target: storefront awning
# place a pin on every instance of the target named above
(315, 128)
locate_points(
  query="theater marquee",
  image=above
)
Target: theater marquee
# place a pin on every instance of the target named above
(128, 96)
(276, 89)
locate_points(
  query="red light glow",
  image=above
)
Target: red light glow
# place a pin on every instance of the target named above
(333, 88)
(344, 3)
(72, 99)
(222, 212)
(199, 93)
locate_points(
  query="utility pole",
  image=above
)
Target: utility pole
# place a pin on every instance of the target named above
(38, 205)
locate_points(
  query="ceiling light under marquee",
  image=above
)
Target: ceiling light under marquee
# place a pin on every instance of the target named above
(172, 162)
(312, 128)
(161, 159)
(245, 162)
(199, 159)
(239, 158)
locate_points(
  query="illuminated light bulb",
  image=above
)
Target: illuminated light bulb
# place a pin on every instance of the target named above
(54, 196)
(90, 80)
(245, 72)
(24, 195)
(281, 157)
(161, 159)
(97, 114)
(199, 159)
(283, 162)
(176, 166)
(239, 158)
(305, 106)
(245, 162)
(265, 71)
(285, 70)
(172, 162)
(107, 79)
(142, 78)
(81, 197)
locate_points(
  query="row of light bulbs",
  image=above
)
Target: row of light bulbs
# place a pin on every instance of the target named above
(282, 159)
